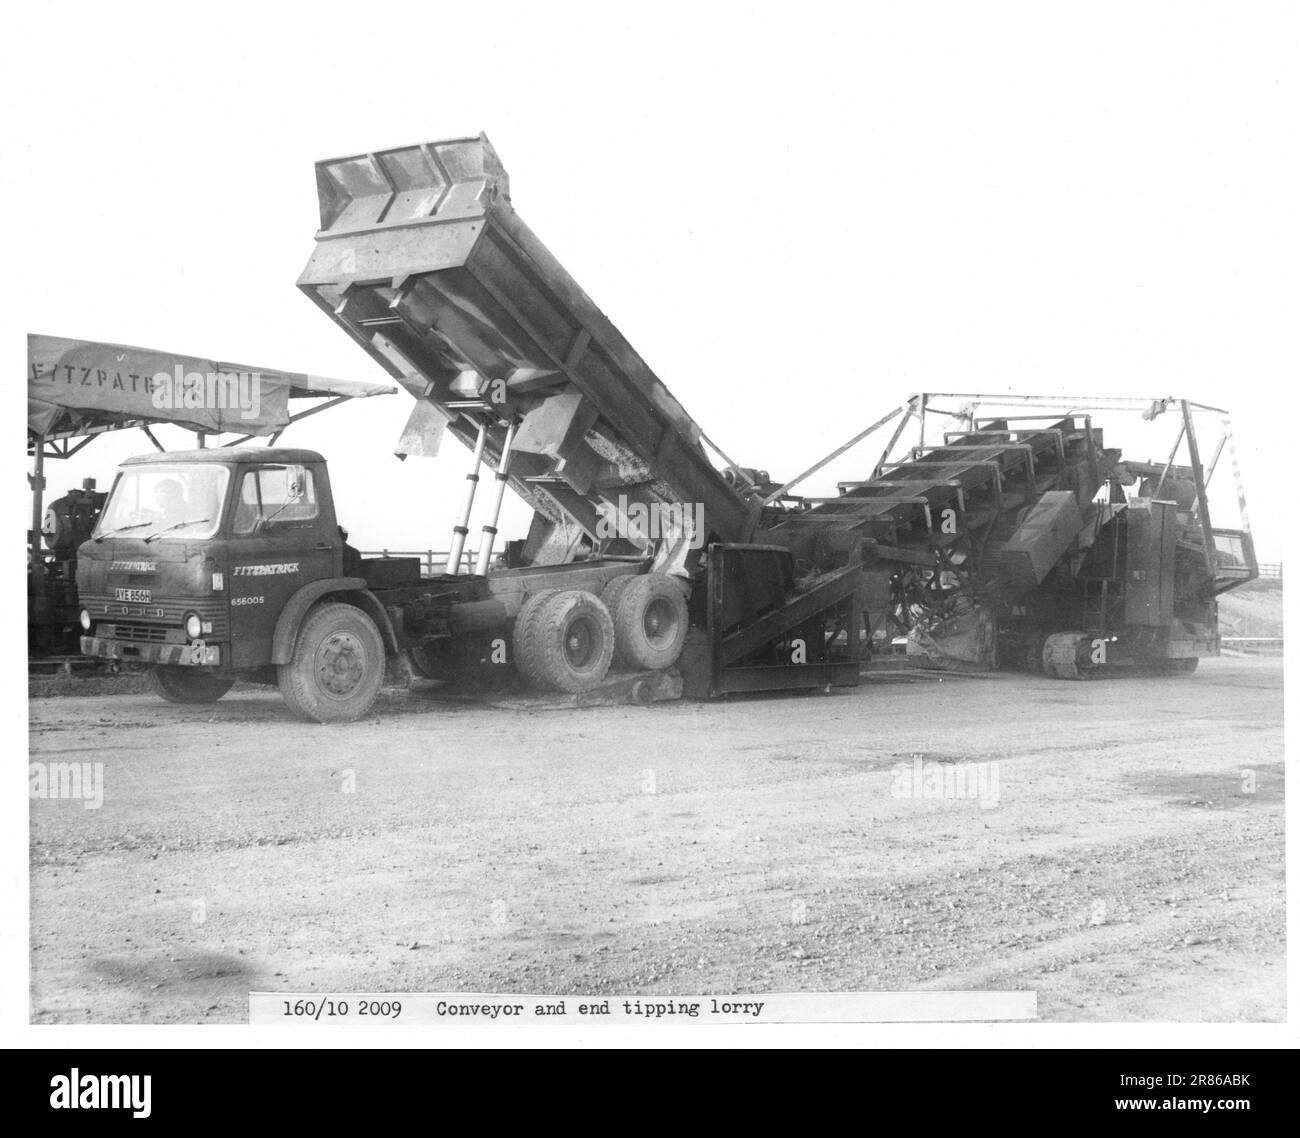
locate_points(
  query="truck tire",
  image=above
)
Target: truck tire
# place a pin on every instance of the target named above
(524, 633)
(612, 591)
(179, 684)
(1065, 656)
(427, 664)
(564, 640)
(650, 622)
(337, 666)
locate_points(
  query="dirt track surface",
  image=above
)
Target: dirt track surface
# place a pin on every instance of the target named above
(1128, 870)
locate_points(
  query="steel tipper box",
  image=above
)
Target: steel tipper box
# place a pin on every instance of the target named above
(421, 258)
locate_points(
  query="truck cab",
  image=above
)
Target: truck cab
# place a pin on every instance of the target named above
(206, 564)
(209, 565)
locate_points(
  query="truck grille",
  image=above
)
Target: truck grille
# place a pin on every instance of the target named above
(163, 617)
(148, 633)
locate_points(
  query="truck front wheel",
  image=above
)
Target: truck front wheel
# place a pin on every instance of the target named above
(179, 684)
(337, 665)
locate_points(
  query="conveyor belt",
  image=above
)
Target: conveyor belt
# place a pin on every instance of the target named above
(986, 476)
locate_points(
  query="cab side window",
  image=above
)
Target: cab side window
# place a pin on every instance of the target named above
(275, 496)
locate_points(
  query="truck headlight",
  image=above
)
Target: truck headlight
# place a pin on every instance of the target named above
(85, 619)
(193, 625)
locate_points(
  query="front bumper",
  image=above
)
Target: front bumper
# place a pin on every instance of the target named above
(190, 655)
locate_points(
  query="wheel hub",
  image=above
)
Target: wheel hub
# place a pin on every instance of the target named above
(658, 622)
(578, 643)
(340, 664)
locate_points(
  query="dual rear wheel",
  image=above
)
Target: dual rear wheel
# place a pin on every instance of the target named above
(567, 639)
(564, 640)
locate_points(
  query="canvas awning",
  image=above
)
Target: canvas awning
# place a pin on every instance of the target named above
(82, 387)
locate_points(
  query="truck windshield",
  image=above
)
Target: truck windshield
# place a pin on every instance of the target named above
(166, 501)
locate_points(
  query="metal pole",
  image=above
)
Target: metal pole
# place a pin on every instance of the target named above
(893, 439)
(1093, 471)
(1203, 506)
(1079, 403)
(461, 529)
(1236, 475)
(816, 466)
(1182, 430)
(1218, 450)
(490, 529)
(37, 480)
(731, 464)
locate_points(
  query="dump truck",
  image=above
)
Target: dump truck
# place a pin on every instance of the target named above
(212, 564)
(653, 561)
(244, 571)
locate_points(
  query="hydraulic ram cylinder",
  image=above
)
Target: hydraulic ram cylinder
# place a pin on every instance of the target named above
(461, 529)
(490, 529)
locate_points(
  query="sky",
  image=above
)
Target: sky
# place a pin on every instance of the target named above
(797, 216)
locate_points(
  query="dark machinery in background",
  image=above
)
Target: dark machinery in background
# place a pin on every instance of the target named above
(52, 607)
(1023, 540)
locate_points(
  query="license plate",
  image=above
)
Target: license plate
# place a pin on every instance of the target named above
(139, 596)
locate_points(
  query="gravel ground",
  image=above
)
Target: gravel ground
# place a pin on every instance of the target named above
(1121, 863)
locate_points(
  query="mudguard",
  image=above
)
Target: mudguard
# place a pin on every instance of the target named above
(353, 590)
